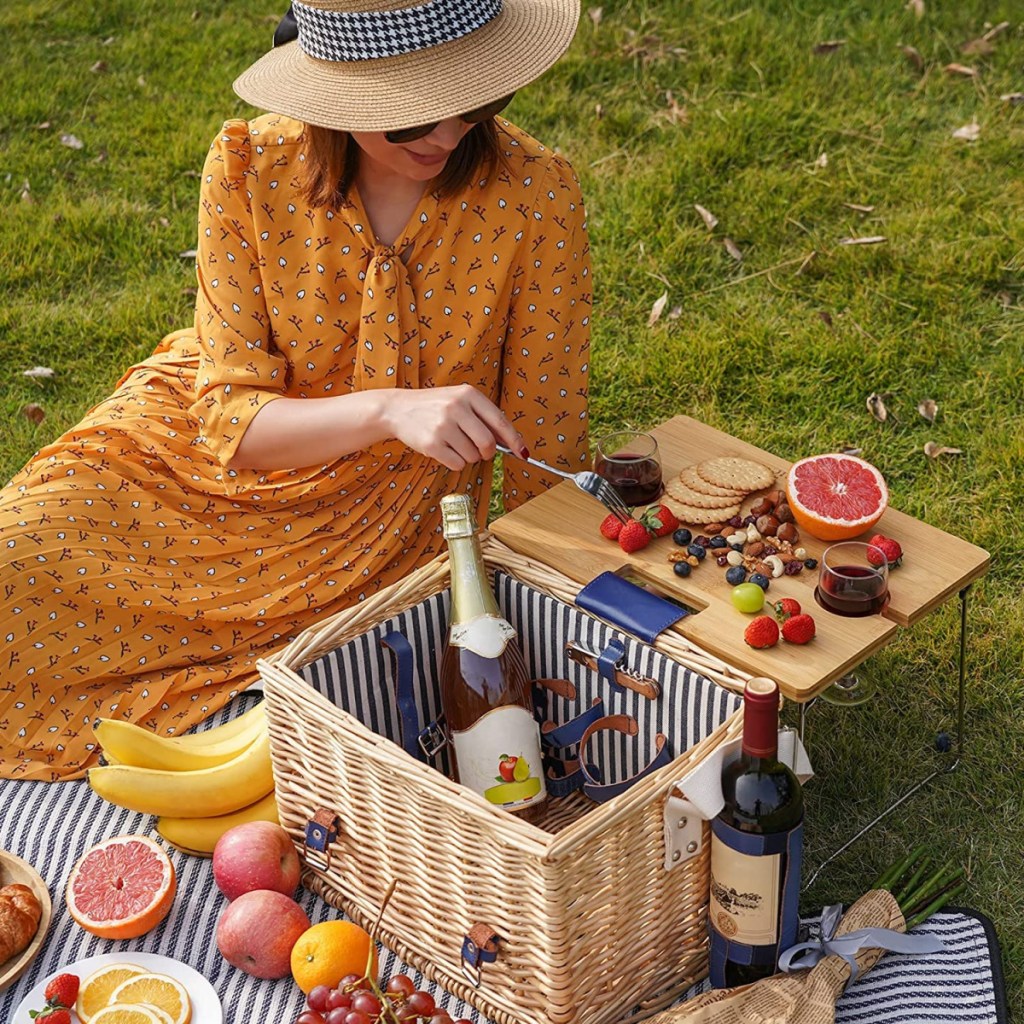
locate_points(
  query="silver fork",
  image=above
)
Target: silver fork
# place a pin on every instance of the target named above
(588, 482)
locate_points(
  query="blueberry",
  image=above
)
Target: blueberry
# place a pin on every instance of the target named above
(696, 550)
(810, 563)
(682, 537)
(760, 579)
(718, 542)
(943, 743)
(681, 568)
(736, 575)
(736, 547)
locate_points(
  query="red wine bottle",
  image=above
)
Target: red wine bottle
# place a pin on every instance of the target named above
(756, 844)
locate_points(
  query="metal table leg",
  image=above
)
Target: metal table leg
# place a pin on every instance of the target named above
(956, 748)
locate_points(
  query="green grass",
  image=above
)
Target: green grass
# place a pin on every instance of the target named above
(781, 349)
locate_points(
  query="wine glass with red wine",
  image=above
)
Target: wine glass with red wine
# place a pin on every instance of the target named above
(853, 581)
(629, 460)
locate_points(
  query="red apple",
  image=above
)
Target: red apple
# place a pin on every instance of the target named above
(507, 767)
(255, 855)
(256, 932)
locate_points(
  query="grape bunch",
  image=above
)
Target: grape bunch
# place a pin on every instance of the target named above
(358, 1000)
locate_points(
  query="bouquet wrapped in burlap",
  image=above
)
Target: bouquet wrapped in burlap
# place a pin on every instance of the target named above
(809, 996)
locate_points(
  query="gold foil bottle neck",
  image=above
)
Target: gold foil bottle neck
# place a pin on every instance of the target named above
(457, 516)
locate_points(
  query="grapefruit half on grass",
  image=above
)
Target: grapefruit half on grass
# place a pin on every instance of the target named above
(835, 497)
(121, 888)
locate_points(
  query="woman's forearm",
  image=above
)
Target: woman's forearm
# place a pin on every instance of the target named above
(290, 433)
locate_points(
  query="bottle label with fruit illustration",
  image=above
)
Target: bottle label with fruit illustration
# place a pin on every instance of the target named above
(499, 757)
(744, 895)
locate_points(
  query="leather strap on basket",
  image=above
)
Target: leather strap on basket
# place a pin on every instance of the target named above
(479, 946)
(627, 725)
(419, 743)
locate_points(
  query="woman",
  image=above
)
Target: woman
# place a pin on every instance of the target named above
(391, 282)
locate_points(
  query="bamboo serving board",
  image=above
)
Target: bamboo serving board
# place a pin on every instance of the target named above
(561, 529)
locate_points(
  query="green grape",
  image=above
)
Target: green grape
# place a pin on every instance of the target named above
(748, 597)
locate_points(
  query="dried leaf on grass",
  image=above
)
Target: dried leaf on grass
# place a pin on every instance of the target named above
(1013, 98)
(596, 14)
(822, 160)
(961, 69)
(677, 112)
(710, 220)
(933, 450)
(981, 47)
(188, 254)
(99, 67)
(732, 249)
(675, 312)
(867, 240)
(916, 7)
(598, 111)
(38, 372)
(849, 449)
(968, 132)
(859, 207)
(928, 409)
(825, 317)
(913, 57)
(43, 126)
(33, 413)
(657, 309)
(829, 46)
(71, 141)
(26, 193)
(876, 406)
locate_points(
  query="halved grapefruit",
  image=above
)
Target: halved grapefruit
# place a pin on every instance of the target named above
(121, 888)
(835, 497)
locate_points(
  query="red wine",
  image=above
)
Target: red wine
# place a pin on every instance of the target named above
(756, 844)
(852, 590)
(637, 478)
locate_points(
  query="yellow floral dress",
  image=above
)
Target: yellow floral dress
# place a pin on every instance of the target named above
(141, 577)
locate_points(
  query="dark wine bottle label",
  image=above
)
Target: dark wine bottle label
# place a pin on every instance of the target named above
(755, 889)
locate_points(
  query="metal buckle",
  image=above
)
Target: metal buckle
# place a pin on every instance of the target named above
(434, 737)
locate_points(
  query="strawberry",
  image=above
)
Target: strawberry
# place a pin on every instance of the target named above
(660, 520)
(50, 1016)
(611, 527)
(762, 632)
(633, 536)
(798, 630)
(786, 608)
(889, 547)
(62, 990)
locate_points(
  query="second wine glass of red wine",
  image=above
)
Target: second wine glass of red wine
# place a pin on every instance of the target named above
(630, 461)
(853, 579)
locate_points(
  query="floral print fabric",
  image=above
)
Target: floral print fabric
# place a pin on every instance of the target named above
(142, 576)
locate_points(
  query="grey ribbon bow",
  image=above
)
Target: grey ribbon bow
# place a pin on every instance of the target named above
(807, 954)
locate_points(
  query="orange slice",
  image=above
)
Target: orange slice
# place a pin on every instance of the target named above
(97, 988)
(158, 990)
(125, 1013)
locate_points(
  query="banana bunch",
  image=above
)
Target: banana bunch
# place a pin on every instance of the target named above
(221, 777)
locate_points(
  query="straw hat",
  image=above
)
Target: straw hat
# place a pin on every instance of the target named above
(380, 65)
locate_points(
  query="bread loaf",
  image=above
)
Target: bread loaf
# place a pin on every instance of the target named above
(19, 918)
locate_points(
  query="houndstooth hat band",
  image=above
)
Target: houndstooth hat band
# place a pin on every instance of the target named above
(370, 35)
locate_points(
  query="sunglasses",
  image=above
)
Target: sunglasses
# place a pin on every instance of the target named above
(477, 116)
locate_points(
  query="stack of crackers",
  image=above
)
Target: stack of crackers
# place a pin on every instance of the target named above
(713, 491)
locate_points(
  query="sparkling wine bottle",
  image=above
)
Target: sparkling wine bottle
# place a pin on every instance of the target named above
(756, 844)
(485, 689)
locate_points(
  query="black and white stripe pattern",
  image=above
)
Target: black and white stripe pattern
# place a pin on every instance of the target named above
(367, 35)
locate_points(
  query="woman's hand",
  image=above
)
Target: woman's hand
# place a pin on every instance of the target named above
(457, 426)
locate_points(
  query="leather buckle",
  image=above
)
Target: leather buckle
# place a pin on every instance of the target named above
(479, 946)
(433, 738)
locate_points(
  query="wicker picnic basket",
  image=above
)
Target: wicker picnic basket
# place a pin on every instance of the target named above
(590, 922)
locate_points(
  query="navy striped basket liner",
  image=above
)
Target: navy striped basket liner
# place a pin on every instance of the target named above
(592, 923)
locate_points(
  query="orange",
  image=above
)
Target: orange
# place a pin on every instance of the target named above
(835, 497)
(325, 953)
(121, 888)
(97, 987)
(121, 1013)
(159, 991)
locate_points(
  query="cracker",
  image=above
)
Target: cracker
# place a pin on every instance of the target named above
(731, 471)
(696, 482)
(699, 516)
(685, 495)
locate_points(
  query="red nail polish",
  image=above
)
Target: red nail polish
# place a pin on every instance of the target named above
(524, 452)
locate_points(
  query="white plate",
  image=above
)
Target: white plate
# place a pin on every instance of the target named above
(206, 1008)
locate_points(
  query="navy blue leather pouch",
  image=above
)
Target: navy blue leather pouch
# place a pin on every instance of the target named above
(628, 606)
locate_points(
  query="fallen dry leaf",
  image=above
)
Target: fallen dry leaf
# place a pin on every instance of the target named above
(961, 69)
(26, 193)
(917, 7)
(826, 318)
(71, 141)
(188, 254)
(710, 220)
(877, 407)
(42, 126)
(596, 14)
(38, 372)
(933, 450)
(732, 249)
(977, 47)
(928, 409)
(913, 57)
(34, 413)
(677, 112)
(1005, 299)
(968, 132)
(109, 40)
(996, 30)
(675, 312)
(99, 67)
(164, 222)
(822, 160)
(849, 449)
(598, 111)
(829, 46)
(859, 207)
(141, 80)
(868, 240)
(1013, 98)
(657, 308)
